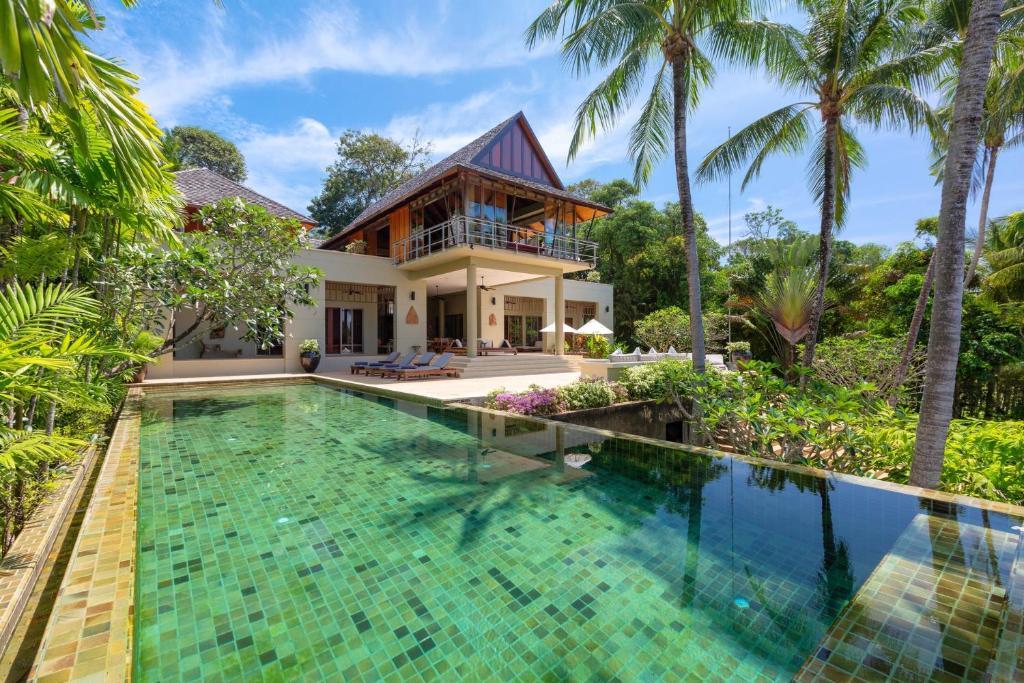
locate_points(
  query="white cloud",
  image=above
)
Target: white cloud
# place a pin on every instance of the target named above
(309, 145)
(333, 38)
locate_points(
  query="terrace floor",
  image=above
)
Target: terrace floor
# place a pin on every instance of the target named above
(436, 390)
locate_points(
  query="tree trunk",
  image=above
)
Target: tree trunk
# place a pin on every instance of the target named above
(828, 219)
(900, 376)
(944, 333)
(679, 101)
(979, 245)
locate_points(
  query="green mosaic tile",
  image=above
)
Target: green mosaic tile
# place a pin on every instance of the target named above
(304, 533)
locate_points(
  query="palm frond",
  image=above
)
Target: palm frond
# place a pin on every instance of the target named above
(784, 130)
(651, 136)
(53, 309)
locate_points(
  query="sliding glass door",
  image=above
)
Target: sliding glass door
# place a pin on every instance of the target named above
(344, 330)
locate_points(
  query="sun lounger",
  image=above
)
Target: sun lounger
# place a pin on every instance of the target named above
(361, 365)
(438, 368)
(382, 369)
(425, 358)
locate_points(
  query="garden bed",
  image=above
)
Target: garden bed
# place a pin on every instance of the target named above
(26, 562)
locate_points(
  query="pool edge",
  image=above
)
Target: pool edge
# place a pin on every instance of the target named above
(90, 630)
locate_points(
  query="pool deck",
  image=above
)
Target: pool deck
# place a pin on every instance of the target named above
(432, 390)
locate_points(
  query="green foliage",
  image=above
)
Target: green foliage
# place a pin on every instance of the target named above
(586, 393)
(368, 167)
(738, 347)
(237, 271)
(671, 327)
(866, 360)
(845, 429)
(651, 381)
(641, 251)
(309, 346)
(195, 147)
(597, 346)
(356, 247)
(664, 328)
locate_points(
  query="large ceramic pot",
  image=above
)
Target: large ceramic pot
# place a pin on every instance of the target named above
(741, 358)
(310, 360)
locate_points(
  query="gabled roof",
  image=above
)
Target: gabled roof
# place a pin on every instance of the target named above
(466, 158)
(201, 186)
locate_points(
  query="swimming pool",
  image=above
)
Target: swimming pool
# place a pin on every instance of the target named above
(303, 532)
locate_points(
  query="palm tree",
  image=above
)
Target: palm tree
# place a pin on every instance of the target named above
(925, 226)
(1002, 127)
(1006, 258)
(631, 37)
(944, 333)
(849, 60)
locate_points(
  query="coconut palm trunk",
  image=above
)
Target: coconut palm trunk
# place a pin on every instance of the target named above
(914, 331)
(979, 243)
(944, 333)
(828, 219)
(679, 101)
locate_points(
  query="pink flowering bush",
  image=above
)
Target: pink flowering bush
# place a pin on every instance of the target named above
(533, 401)
(580, 395)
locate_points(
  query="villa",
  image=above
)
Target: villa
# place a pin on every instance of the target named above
(469, 254)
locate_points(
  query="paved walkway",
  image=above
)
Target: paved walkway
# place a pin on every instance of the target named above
(459, 389)
(444, 390)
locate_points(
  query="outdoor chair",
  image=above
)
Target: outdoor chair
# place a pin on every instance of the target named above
(361, 365)
(425, 358)
(438, 368)
(385, 367)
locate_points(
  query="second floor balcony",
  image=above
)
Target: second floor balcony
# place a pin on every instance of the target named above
(462, 231)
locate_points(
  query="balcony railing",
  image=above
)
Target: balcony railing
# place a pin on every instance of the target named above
(476, 232)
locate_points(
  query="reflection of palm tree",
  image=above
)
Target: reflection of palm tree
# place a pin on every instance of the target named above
(835, 578)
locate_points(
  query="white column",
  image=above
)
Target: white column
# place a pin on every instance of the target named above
(472, 310)
(559, 316)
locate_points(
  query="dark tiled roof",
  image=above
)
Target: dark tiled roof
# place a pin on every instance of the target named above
(463, 158)
(201, 186)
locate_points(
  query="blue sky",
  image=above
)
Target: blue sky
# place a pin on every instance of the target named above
(283, 79)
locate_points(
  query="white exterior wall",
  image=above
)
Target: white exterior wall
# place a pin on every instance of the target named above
(308, 322)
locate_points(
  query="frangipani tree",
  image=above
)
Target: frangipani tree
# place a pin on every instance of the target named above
(851, 61)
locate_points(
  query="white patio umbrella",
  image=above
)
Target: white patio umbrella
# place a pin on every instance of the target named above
(593, 327)
(550, 329)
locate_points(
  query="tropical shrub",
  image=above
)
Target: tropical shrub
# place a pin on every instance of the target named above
(580, 395)
(649, 381)
(664, 328)
(309, 346)
(738, 347)
(534, 401)
(598, 346)
(586, 393)
(867, 359)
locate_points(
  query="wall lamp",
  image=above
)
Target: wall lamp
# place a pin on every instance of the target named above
(412, 296)
(607, 309)
(494, 301)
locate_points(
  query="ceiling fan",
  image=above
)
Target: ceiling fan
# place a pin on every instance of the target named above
(485, 287)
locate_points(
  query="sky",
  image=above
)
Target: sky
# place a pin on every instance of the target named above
(282, 80)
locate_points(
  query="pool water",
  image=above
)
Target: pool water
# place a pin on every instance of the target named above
(299, 532)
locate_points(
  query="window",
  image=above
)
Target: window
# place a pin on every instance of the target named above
(344, 330)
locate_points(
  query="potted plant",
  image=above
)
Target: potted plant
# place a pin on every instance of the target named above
(309, 354)
(739, 351)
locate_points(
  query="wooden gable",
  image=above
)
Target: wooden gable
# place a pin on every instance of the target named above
(515, 151)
